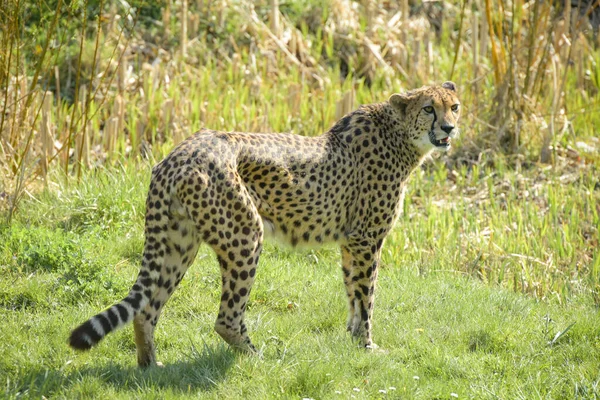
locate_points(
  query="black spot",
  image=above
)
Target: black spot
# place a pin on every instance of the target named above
(112, 316)
(341, 125)
(77, 341)
(364, 289)
(134, 302)
(122, 312)
(105, 323)
(146, 282)
(153, 266)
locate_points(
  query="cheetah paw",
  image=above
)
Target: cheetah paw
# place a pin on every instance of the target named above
(373, 348)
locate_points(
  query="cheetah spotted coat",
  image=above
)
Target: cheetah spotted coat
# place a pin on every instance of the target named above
(229, 189)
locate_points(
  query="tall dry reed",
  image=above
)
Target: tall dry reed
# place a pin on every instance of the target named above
(125, 86)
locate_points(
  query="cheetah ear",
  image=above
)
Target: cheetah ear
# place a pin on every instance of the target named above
(399, 101)
(449, 85)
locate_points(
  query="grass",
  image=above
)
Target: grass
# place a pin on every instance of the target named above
(490, 285)
(472, 300)
(99, 83)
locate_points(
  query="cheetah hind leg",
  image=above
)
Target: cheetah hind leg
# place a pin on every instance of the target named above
(238, 269)
(237, 242)
(180, 248)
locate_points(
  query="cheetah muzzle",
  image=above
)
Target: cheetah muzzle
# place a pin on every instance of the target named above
(226, 189)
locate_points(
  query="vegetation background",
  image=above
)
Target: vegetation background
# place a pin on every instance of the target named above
(491, 280)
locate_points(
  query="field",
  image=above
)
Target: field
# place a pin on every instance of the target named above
(490, 285)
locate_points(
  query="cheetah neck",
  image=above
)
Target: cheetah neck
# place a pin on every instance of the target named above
(374, 135)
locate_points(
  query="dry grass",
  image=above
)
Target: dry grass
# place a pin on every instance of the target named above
(133, 83)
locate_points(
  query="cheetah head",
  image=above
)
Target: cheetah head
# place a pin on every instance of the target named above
(429, 115)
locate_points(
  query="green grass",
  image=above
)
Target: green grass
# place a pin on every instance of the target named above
(472, 299)
(490, 286)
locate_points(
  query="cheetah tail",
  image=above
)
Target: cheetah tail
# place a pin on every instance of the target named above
(94, 329)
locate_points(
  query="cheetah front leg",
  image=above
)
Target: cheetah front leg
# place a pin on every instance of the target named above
(360, 262)
(349, 283)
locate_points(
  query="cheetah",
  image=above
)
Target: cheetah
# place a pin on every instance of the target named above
(230, 189)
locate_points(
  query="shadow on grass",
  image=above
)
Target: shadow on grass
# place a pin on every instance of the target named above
(201, 371)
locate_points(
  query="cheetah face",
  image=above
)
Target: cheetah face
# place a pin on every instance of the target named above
(430, 115)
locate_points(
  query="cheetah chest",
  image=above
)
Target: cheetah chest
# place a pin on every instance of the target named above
(302, 193)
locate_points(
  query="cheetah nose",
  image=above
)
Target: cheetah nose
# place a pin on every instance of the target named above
(447, 128)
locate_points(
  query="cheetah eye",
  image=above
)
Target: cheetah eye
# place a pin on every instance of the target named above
(454, 108)
(428, 109)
